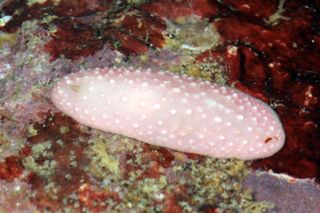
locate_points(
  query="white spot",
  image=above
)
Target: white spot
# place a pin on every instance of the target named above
(201, 136)
(210, 102)
(124, 98)
(143, 104)
(176, 90)
(104, 116)
(217, 119)
(228, 97)
(222, 137)
(228, 111)
(189, 111)
(112, 81)
(199, 109)
(240, 117)
(156, 106)
(193, 84)
(145, 84)
(163, 131)
(203, 94)
(135, 125)
(173, 111)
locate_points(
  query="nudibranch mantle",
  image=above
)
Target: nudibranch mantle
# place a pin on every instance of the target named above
(171, 110)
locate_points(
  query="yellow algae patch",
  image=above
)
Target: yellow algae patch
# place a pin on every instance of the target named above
(101, 161)
(9, 38)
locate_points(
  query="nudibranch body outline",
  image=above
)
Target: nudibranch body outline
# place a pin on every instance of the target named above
(171, 110)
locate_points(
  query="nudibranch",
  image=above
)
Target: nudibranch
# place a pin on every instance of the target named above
(170, 110)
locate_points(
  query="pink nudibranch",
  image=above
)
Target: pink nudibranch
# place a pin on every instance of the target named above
(173, 111)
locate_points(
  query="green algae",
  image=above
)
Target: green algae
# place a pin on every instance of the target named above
(41, 150)
(209, 182)
(45, 170)
(32, 2)
(31, 131)
(64, 129)
(102, 163)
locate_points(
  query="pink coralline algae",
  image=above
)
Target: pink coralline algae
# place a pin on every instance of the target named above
(173, 111)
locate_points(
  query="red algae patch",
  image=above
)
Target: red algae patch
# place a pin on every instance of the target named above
(11, 168)
(81, 28)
